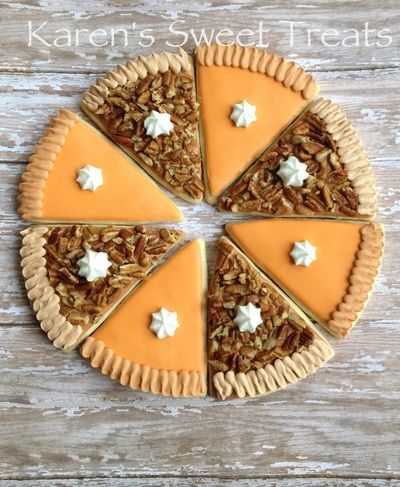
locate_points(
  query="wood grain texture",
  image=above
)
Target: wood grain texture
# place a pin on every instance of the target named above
(62, 423)
(193, 15)
(204, 481)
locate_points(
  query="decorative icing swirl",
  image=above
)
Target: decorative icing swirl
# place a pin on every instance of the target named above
(287, 73)
(304, 253)
(158, 124)
(93, 265)
(90, 177)
(45, 301)
(248, 318)
(142, 377)
(293, 172)
(164, 323)
(243, 114)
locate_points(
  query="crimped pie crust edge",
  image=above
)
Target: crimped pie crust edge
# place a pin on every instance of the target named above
(45, 302)
(142, 377)
(132, 71)
(31, 188)
(361, 282)
(261, 61)
(351, 153)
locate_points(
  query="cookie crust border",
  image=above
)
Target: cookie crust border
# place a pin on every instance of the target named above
(261, 61)
(142, 377)
(41, 161)
(280, 374)
(351, 154)
(133, 70)
(361, 282)
(45, 302)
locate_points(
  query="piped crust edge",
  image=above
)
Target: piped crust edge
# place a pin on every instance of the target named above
(351, 154)
(362, 280)
(41, 161)
(273, 377)
(45, 302)
(132, 71)
(142, 377)
(260, 61)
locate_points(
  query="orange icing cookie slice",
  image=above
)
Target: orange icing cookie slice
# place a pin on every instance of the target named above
(318, 167)
(76, 275)
(126, 348)
(231, 75)
(335, 286)
(148, 107)
(118, 190)
(258, 340)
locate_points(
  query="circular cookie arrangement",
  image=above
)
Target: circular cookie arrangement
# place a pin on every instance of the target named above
(241, 129)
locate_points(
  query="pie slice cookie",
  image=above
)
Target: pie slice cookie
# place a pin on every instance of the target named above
(247, 97)
(327, 267)
(316, 168)
(154, 342)
(76, 275)
(149, 108)
(76, 175)
(258, 340)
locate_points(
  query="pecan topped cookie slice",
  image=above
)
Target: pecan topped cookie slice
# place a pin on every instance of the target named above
(258, 340)
(316, 168)
(149, 108)
(76, 275)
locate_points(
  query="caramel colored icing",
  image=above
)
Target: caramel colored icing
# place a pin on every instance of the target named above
(274, 376)
(178, 286)
(330, 281)
(278, 89)
(127, 195)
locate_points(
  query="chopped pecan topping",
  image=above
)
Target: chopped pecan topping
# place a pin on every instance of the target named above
(131, 250)
(237, 283)
(328, 189)
(175, 158)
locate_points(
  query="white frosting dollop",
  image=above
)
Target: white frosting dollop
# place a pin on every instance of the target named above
(243, 114)
(303, 253)
(248, 318)
(293, 172)
(93, 265)
(90, 177)
(164, 323)
(158, 124)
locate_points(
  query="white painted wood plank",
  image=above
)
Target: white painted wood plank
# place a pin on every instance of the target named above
(191, 17)
(61, 418)
(205, 482)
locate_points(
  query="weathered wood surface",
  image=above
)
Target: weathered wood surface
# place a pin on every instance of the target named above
(62, 423)
(198, 21)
